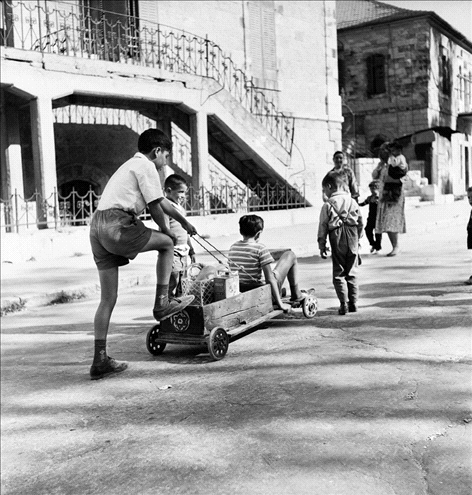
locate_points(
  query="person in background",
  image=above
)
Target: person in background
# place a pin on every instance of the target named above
(375, 240)
(340, 166)
(391, 206)
(341, 221)
(469, 228)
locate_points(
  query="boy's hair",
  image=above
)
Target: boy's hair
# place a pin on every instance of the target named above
(250, 225)
(153, 138)
(469, 189)
(335, 180)
(174, 181)
(374, 184)
(395, 145)
(338, 153)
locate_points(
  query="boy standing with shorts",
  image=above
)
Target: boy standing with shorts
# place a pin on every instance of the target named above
(175, 187)
(252, 258)
(375, 240)
(117, 235)
(341, 221)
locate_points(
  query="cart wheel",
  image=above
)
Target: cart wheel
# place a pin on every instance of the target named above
(218, 343)
(152, 345)
(310, 306)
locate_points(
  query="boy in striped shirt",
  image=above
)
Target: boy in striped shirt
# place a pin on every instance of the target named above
(252, 259)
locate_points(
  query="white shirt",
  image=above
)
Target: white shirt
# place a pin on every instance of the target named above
(133, 186)
(176, 228)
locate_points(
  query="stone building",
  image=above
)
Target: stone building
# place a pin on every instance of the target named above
(247, 89)
(407, 75)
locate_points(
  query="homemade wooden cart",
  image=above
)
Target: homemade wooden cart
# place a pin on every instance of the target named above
(217, 323)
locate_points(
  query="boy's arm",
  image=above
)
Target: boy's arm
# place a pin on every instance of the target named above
(323, 230)
(157, 214)
(270, 279)
(172, 212)
(191, 251)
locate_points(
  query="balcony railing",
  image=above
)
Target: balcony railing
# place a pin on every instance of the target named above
(19, 213)
(97, 34)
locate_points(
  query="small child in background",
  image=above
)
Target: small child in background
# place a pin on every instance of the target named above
(375, 240)
(341, 221)
(469, 228)
(175, 188)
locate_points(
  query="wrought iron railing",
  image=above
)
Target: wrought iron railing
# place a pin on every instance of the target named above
(97, 34)
(18, 213)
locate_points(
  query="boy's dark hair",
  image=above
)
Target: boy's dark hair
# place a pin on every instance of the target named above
(469, 189)
(174, 181)
(153, 138)
(250, 225)
(395, 145)
(335, 180)
(374, 184)
(338, 153)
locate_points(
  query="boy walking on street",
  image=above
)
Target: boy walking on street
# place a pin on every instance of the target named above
(252, 259)
(375, 240)
(341, 221)
(117, 235)
(175, 188)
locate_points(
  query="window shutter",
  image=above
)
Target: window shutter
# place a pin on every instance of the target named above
(261, 37)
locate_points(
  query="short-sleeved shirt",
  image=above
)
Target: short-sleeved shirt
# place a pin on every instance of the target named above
(249, 258)
(133, 186)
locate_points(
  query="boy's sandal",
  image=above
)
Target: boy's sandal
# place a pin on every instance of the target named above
(299, 299)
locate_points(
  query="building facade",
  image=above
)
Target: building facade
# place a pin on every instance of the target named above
(407, 75)
(247, 89)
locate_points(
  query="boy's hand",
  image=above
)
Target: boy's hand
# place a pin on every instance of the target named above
(324, 253)
(284, 307)
(191, 230)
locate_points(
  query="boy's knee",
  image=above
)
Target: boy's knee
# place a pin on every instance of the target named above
(165, 244)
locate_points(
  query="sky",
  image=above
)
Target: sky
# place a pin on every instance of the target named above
(458, 13)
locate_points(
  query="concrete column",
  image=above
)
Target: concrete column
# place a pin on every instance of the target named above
(44, 156)
(199, 147)
(164, 125)
(12, 165)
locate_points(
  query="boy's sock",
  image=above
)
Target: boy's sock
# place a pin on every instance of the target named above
(100, 355)
(162, 296)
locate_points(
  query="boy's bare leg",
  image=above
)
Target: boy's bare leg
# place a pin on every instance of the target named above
(287, 266)
(102, 365)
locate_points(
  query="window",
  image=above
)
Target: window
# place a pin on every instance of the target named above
(262, 39)
(111, 28)
(375, 74)
(445, 72)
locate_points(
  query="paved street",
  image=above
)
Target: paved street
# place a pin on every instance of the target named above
(371, 403)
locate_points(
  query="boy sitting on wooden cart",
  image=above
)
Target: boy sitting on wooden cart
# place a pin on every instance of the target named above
(252, 258)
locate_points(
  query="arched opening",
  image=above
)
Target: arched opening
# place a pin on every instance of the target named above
(76, 201)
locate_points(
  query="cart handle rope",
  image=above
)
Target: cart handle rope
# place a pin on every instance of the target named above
(219, 252)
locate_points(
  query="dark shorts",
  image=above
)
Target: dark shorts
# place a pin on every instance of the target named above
(116, 237)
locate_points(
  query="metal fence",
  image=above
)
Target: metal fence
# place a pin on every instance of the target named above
(19, 213)
(81, 31)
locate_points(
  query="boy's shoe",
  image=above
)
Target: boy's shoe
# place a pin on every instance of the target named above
(372, 250)
(342, 309)
(173, 306)
(469, 282)
(109, 367)
(352, 308)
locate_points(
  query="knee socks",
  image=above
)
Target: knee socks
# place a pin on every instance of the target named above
(100, 355)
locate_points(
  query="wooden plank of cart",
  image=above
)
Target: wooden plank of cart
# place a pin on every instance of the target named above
(218, 323)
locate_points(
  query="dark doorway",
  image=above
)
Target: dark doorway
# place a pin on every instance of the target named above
(424, 152)
(77, 200)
